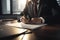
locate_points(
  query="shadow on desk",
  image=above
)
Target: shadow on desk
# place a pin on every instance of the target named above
(44, 33)
(14, 37)
(49, 32)
(10, 37)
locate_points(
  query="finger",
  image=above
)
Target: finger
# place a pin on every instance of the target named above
(21, 18)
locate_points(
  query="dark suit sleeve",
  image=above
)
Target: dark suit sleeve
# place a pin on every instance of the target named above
(52, 20)
(25, 11)
(55, 19)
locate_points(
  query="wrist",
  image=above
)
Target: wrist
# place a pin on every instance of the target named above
(43, 20)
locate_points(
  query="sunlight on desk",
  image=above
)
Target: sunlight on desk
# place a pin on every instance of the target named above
(23, 27)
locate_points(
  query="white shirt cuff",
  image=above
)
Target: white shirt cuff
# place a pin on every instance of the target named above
(43, 21)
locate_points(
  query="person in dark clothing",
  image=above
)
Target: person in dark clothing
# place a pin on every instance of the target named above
(48, 10)
(52, 12)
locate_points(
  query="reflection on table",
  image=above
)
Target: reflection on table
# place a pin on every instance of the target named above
(47, 32)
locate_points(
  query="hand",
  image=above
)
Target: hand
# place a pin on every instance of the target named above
(36, 20)
(24, 20)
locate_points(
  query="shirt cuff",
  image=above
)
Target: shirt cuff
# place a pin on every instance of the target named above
(43, 20)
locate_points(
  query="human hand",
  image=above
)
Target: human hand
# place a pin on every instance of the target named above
(24, 20)
(37, 20)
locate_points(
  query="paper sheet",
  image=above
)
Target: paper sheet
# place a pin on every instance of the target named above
(27, 26)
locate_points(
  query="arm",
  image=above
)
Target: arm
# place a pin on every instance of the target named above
(53, 19)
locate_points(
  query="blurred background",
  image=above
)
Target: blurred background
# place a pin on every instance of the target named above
(12, 8)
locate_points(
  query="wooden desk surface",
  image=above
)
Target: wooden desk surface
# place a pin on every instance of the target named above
(51, 27)
(48, 32)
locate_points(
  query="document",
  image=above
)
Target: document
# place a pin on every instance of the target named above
(25, 26)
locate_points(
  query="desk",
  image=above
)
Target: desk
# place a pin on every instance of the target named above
(48, 32)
